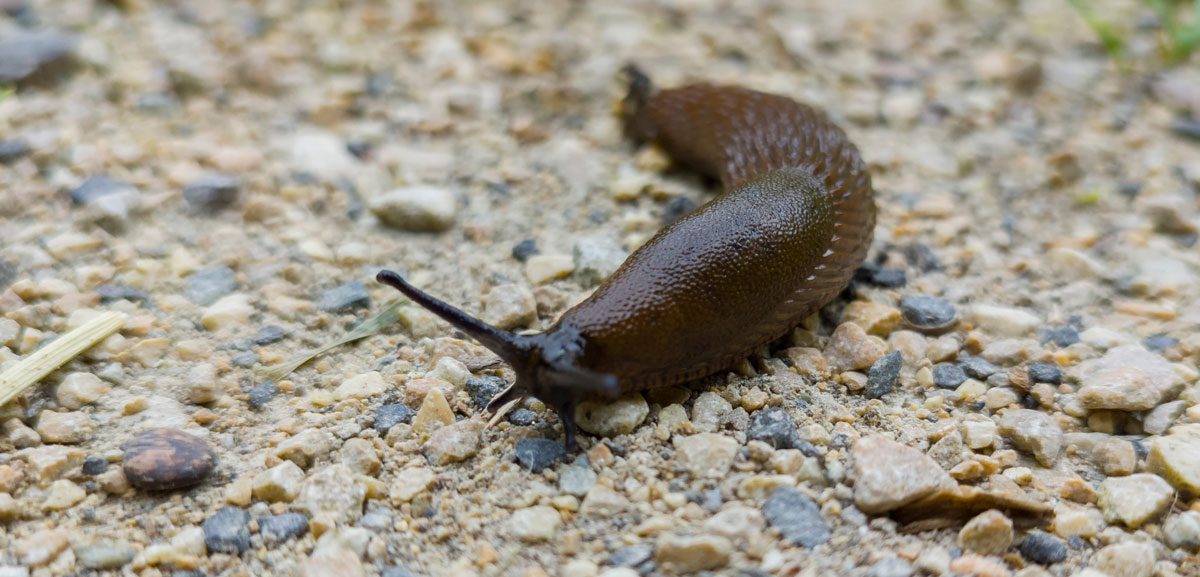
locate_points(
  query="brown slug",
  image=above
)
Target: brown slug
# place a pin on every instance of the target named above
(793, 223)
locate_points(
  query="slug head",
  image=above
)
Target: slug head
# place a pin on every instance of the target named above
(547, 364)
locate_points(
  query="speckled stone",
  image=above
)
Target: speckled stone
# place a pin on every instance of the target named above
(888, 475)
(167, 459)
(797, 517)
(227, 531)
(538, 454)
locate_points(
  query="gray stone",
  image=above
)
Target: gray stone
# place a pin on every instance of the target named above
(345, 298)
(227, 531)
(279, 528)
(1043, 548)
(948, 375)
(26, 55)
(388, 416)
(576, 479)
(797, 517)
(1034, 432)
(207, 286)
(928, 314)
(104, 555)
(773, 426)
(881, 378)
(212, 192)
(538, 454)
(596, 258)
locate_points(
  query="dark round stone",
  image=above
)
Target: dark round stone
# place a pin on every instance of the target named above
(166, 459)
(525, 249)
(881, 378)
(212, 192)
(797, 517)
(227, 531)
(928, 314)
(1043, 548)
(948, 375)
(390, 415)
(345, 298)
(876, 275)
(12, 149)
(773, 426)
(977, 367)
(538, 454)
(93, 465)
(922, 257)
(269, 334)
(279, 528)
(1045, 373)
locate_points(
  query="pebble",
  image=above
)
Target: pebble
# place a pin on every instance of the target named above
(543, 268)
(577, 479)
(1034, 432)
(525, 249)
(165, 459)
(876, 275)
(333, 561)
(93, 465)
(535, 524)
(881, 378)
(978, 433)
(434, 413)
(876, 318)
(390, 415)
(522, 417)
(361, 386)
(632, 556)
(797, 517)
(52, 461)
(538, 454)
(1182, 530)
(1045, 373)
(104, 555)
(611, 418)
(1162, 379)
(1062, 336)
(280, 528)
(229, 311)
(1004, 321)
(1043, 548)
(109, 199)
(63, 495)
(706, 454)
(1125, 559)
(213, 192)
(948, 375)
(206, 286)
(888, 475)
(42, 547)
(227, 531)
(26, 54)
(345, 298)
(1116, 457)
(1176, 458)
(332, 490)
(262, 394)
(928, 314)
(484, 389)
(279, 483)
(410, 483)
(418, 208)
(509, 306)
(1119, 388)
(773, 426)
(988, 533)
(977, 367)
(1160, 418)
(709, 412)
(692, 553)
(269, 334)
(69, 428)
(978, 566)
(851, 349)
(455, 443)
(596, 258)
(1134, 500)
(891, 567)
(13, 149)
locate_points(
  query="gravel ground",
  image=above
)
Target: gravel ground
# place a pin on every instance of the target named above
(1010, 389)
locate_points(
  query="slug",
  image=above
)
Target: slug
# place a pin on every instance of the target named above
(793, 222)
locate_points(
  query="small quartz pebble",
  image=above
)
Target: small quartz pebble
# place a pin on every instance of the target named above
(1134, 500)
(1176, 458)
(509, 306)
(1034, 432)
(279, 483)
(888, 475)
(875, 318)
(988, 533)
(104, 555)
(454, 443)
(70, 428)
(1125, 559)
(611, 418)
(543, 268)
(1004, 321)
(41, 547)
(166, 459)
(706, 454)
(928, 314)
(1119, 388)
(535, 524)
(850, 348)
(797, 517)
(417, 208)
(1182, 530)
(692, 553)
(595, 258)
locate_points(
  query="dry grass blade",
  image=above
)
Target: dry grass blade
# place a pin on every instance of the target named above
(59, 352)
(390, 315)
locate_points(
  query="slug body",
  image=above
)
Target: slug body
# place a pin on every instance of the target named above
(793, 223)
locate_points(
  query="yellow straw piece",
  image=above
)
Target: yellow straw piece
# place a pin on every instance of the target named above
(59, 352)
